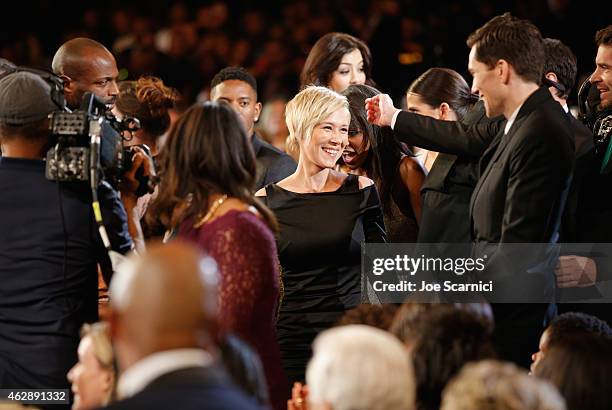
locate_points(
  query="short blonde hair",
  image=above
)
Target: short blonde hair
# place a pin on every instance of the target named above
(494, 385)
(310, 107)
(103, 351)
(360, 367)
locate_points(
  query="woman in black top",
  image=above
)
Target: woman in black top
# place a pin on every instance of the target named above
(443, 94)
(373, 151)
(324, 216)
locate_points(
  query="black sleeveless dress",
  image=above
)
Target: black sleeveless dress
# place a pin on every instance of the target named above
(319, 248)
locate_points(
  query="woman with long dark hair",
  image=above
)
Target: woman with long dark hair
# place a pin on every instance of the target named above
(207, 171)
(374, 152)
(336, 61)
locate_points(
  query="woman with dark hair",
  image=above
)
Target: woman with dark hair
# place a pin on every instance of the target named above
(149, 100)
(580, 366)
(337, 60)
(443, 94)
(324, 217)
(374, 152)
(440, 93)
(442, 338)
(207, 170)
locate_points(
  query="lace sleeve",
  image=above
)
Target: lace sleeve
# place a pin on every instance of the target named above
(245, 251)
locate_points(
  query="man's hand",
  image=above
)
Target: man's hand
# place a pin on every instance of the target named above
(380, 110)
(575, 272)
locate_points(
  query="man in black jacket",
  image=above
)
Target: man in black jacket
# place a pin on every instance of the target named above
(49, 244)
(525, 168)
(237, 87)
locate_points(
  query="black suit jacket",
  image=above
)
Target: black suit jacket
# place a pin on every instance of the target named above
(192, 388)
(272, 164)
(524, 175)
(523, 182)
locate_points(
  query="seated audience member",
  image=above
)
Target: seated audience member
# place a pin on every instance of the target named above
(49, 244)
(324, 216)
(568, 325)
(374, 152)
(492, 385)
(94, 377)
(380, 316)
(336, 61)
(243, 365)
(206, 192)
(441, 339)
(150, 101)
(358, 367)
(163, 325)
(237, 87)
(580, 366)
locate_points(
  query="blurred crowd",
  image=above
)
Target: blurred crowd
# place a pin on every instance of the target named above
(187, 42)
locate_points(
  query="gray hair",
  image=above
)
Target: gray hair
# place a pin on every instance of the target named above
(359, 367)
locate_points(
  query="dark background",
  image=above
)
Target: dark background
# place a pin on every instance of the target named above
(186, 42)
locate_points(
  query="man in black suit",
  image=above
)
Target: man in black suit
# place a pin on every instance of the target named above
(587, 216)
(163, 320)
(237, 87)
(525, 168)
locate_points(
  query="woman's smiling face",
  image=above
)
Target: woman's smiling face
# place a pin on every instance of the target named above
(328, 140)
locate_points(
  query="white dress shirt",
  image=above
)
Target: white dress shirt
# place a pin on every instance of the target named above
(143, 372)
(511, 119)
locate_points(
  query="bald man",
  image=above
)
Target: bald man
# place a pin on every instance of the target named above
(163, 320)
(86, 65)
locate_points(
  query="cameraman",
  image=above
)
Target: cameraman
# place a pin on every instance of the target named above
(49, 244)
(85, 65)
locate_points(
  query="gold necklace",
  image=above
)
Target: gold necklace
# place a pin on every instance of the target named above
(211, 211)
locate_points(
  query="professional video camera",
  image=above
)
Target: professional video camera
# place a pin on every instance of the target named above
(88, 143)
(598, 120)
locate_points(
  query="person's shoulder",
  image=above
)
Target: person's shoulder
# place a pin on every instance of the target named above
(215, 397)
(265, 148)
(365, 182)
(409, 165)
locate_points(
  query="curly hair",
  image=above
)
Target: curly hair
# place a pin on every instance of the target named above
(149, 100)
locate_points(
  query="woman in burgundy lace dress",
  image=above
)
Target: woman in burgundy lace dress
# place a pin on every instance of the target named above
(207, 170)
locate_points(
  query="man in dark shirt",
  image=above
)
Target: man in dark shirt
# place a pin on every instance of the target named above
(49, 245)
(237, 87)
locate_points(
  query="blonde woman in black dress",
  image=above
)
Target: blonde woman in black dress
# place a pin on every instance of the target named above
(324, 216)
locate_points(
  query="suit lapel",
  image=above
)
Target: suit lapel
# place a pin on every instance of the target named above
(501, 141)
(440, 169)
(483, 166)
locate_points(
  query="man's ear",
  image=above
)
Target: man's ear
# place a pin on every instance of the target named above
(68, 84)
(258, 107)
(503, 70)
(551, 76)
